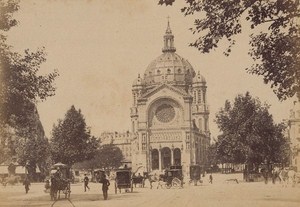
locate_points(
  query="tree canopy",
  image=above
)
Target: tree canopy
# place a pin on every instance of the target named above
(249, 134)
(108, 156)
(275, 50)
(21, 88)
(71, 139)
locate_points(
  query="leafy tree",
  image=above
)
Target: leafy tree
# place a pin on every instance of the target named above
(6, 15)
(212, 157)
(275, 51)
(108, 156)
(249, 134)
(71, 139)
(21, 88)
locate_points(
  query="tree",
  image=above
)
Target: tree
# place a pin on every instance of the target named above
(71, 139)
(212, 158)
(21, 88)
(249, 134)
(108, 156)
(275, 52)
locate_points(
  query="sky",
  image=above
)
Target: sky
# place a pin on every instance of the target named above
(100, 46)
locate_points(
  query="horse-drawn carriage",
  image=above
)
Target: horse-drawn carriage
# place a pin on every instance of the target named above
(139, 179)
(61, 177)
(99, 175)
(123, 180)
(195, 174)
(173, 177)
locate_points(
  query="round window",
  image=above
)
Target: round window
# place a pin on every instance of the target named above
(165, 113)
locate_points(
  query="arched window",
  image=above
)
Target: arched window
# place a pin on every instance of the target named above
(158, 72)
(179, 70)
(200, 124)
(168, 71)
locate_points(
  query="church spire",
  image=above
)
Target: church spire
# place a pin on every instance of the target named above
(168, 40)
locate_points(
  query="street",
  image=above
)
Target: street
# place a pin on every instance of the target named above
(220, 193)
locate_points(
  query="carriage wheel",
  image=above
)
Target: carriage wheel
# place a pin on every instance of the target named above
(176, 183)
(168, 186)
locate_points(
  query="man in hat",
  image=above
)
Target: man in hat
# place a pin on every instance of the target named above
(105, 185)
(86, 182)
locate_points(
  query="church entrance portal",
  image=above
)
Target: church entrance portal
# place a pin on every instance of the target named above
(166, 157)
(177, 156)
(155, 159)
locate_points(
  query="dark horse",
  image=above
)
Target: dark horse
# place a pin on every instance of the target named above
(138, 180)
(59, 184)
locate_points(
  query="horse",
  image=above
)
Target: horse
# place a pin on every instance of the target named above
(12, 180)
(275, 174)
(287, 176)
(59, 184)
(156, 177)
(138, 180)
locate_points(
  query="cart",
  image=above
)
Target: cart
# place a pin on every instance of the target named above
(173, 177)
(139, 179)
(99, 175)
(61, 177)
(195, 174)
(123, 180)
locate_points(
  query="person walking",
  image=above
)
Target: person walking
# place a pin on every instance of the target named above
(86, 182)
(210, 178)
(105, 185)
(26, 183)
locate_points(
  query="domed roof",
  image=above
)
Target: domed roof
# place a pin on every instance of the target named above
(199, 79)
(169, 67)
(138, 81)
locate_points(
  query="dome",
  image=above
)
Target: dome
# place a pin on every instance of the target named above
(199, 79)
(169, 67)
(138, 81)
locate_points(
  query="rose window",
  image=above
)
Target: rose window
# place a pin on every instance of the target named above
(165, 113)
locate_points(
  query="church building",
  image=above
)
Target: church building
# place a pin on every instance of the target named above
(170, 114)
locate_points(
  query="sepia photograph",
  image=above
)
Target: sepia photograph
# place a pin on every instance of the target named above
(159, 103)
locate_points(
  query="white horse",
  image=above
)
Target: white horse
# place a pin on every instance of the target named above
(156, 177)
(287, 177)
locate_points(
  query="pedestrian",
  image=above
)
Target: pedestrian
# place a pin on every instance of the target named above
(26, 183)
(105, 185)
(210, 178)
(86, 182)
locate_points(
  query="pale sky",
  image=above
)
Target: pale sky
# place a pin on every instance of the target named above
(100, 47)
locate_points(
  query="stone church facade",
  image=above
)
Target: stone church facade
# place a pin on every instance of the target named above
(294, 135)
(170, 114)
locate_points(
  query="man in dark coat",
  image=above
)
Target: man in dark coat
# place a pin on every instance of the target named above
(105, 184)
(210, 178)
(86, 182)
(26, 183)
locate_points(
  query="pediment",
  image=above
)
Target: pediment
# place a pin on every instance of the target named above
(165, 87)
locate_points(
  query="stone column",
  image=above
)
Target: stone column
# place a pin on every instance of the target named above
(150, 159)
(172, 155)
(159, 159)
